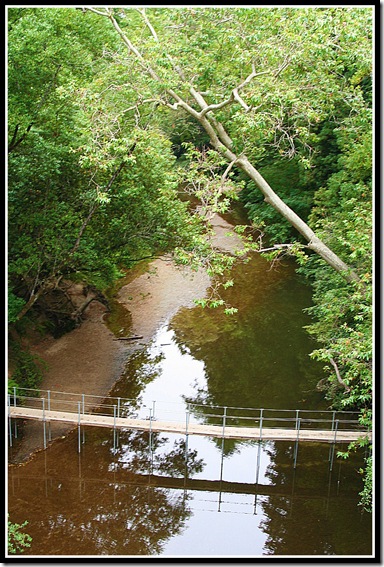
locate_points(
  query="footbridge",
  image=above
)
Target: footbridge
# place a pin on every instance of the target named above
(260, 424)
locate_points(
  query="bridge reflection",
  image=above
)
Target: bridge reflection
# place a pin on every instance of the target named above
(187, 484)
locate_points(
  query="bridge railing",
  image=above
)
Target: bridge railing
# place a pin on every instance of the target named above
(223, 416)
(276, 418)
(54, 400)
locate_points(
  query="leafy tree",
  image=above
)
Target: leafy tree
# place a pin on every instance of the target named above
(17, 540)
(366, 493)
(312, 68)
(300, 54)
(27, 369)
(343, 318)
(89, 192)
(45, 208)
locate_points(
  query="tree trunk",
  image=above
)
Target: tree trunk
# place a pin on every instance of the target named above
(314, 243)
(80, 310)
(222, 142)
(30, 303)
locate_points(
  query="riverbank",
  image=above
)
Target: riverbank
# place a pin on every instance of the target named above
(90, 360)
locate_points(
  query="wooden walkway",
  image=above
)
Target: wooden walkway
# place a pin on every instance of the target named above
(266, 434)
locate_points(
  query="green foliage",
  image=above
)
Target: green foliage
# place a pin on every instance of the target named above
(14, 305)
(144, 215)
(18, 541)
(12, 385)
(28, 368)
(90, 189)
(182, 129)
(288, 178)
(205, 177)
(344, 313)
(366, 493)
(343, 316)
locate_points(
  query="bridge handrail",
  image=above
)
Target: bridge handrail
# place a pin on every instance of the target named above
(189, 404)
(121, 399)
(272, 409)
(80, 405)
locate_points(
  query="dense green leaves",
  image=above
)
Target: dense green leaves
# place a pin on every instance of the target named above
(289, 180)
(89, 190)
(343, 316)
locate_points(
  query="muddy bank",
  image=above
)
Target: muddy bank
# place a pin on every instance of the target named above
(157, 295)
(85, 360)
(90, 359)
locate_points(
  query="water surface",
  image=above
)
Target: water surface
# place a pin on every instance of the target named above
(187, 496)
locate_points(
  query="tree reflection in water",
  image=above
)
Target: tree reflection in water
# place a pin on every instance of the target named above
(331, 498)
(102, 502)
(96, 503)
(142, 368)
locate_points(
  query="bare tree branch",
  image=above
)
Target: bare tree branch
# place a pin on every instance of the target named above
(107, 13)
(276, 247)
(148, 23)
(226, 172)
(216, 106)
(339, 378)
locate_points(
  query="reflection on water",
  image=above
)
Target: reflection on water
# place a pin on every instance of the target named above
(141, 494)
(259, 358)
(81, 505)
(170, 496)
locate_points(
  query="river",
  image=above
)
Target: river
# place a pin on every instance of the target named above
(170, 496)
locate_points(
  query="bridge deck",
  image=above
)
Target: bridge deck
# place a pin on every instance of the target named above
(272, 434)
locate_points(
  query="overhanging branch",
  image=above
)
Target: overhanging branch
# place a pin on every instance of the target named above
(222, 142)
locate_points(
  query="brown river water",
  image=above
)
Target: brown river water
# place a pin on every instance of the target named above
(135, 495)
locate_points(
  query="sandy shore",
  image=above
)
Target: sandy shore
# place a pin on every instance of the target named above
(89, 360)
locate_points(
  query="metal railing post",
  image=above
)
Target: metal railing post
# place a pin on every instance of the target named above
(44, 425)
(49, 409)
(114, 426)
(78, 428)
(15, 403)
(297, 443)
(333, 444)
(118, 415)
(9, 420)
(187, 416)
(258, 456)
(258, 461)
(83, 408)
(150, 429)
(224, 420)
(332, 429)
